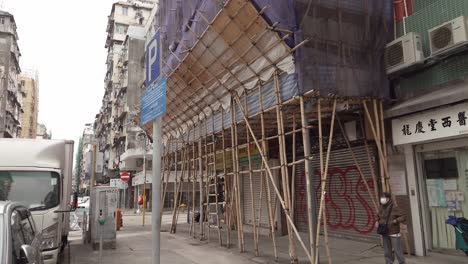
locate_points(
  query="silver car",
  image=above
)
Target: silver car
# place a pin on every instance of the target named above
(19, 240)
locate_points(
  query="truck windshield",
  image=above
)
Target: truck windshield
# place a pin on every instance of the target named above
(38, 190)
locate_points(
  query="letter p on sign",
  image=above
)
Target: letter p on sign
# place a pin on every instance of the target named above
(153, 59)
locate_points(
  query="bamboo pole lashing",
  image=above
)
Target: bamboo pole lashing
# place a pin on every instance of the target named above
(270, 175)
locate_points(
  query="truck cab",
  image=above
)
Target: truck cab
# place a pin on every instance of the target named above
(38, 174)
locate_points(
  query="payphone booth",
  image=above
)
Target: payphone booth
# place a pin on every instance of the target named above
(104, 215)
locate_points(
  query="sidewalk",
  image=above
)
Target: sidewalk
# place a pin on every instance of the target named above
(134, 246)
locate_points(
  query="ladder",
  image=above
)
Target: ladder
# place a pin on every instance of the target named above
(213, 191)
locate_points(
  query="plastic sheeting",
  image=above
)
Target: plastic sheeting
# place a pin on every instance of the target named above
(343, 57)
(345, 53)
(216, 57)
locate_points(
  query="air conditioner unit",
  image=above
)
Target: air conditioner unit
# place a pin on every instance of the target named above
(448, 37)
(403, 53)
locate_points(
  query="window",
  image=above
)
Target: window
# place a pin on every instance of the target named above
(441, 168)
(37, 190)
(121, 29)
(125, 11)
(2, 20)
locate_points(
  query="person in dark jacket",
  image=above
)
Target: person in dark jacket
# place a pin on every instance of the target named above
(392, 240)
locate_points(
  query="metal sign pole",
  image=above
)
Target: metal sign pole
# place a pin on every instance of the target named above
(156, 193)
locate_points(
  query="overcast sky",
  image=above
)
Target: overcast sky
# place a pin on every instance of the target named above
(64, 40)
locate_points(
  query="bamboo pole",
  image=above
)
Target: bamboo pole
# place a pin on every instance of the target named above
(293, 177)
(270, 175)
(207, 181)
(263, 153)
(324, 178)
(284, 169)
(227, 200)
(307, 174)
(200, 177)
(213, 166)
(169, 163)
(384, 139)
(194, 172)
(378, 138)
(379, 146)
(251, 186)
(369, 160)
(236, 177)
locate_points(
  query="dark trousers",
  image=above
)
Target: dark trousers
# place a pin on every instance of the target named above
(394, 243)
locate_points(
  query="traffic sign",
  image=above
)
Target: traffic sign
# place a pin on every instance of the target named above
(153, 101)
(125, 176)
(153, 59)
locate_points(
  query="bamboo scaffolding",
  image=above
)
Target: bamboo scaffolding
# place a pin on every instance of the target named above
(270, 174)
(218, 222)
(235, 150)
(255, 237)
(169, 163)
(263, 153)
(284, 170)
(227, 200)
(293, 163)
(207, 181)
(194, 181)
(358, 166)
(200, 178)
(324, 172)
(369, 160)
(378, 138)
(384, 139)
(307, 174)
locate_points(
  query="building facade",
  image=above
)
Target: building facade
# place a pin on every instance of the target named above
(10, 90)
(30, 88)
(429, 121)
(120, 85)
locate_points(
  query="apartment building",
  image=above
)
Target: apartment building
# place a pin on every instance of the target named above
(30, 87)
(120, 80)
(10, 90)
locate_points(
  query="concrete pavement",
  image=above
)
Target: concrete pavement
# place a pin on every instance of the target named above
(134, 246)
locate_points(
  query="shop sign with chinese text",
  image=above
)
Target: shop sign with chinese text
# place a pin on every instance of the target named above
(443, 122)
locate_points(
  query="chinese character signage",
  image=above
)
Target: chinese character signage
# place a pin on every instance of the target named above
(439, 123)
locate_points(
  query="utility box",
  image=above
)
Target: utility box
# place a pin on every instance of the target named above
(104, 201)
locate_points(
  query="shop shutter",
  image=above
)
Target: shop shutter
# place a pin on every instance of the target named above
(350, 211)
(247, 197)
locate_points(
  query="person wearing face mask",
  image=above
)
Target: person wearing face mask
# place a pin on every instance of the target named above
(391, 216)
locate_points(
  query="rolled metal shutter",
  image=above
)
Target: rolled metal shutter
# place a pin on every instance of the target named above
(260, 213)
(350, 211)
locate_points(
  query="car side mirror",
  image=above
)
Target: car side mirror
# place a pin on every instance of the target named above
(28, 254)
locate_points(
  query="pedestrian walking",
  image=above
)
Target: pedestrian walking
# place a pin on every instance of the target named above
(388, 223)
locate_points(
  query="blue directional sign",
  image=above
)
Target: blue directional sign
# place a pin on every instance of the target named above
(153, 59)
(153, 101)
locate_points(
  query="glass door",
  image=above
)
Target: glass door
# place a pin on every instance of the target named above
(445, 183)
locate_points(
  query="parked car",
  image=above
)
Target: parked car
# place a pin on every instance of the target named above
(20, 241)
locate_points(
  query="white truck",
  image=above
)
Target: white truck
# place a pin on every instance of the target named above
(38, 174)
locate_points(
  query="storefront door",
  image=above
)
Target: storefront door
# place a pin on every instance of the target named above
(444, 184)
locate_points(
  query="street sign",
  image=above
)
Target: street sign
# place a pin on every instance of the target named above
(125, 176)
(153, 101)
(153, 59)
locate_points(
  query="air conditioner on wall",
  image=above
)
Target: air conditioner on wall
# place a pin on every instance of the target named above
(449, 37)
(403, 53)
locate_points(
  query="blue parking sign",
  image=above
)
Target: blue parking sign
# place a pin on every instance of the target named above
(153, 59)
